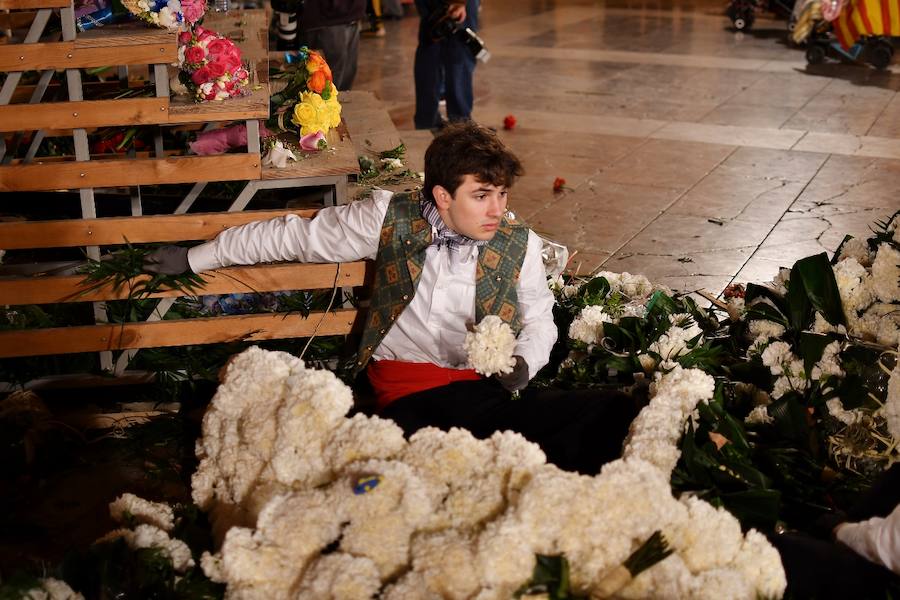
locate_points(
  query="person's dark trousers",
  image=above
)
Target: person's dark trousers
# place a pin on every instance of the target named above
(340, 46)
(880, 499)
(445, 66)
(577, 430)
(827, 570)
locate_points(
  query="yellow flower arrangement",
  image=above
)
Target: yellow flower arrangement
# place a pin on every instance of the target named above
(309, 102)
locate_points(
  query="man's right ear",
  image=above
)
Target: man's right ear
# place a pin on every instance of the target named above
(442, 197)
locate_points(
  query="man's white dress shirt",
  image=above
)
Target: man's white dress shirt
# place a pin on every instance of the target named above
(433, 327)
(877, 539)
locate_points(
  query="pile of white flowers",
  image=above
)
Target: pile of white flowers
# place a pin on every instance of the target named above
(869, 285)
(633, 286)
(656, 431)
(153, 521)
(336, 507)
(52, 589)
(789, 368)
(490, 346)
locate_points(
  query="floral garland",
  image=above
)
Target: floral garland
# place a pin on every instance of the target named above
(443, 513)
(210, 66)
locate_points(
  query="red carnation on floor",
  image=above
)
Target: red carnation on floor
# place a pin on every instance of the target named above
(558, 184)
(509, 122)
(735, 290)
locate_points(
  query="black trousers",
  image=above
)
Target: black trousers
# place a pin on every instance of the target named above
(823, 569)
(826, 570)
(577, 430)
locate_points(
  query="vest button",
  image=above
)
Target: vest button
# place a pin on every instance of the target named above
(383, 331)
(368, 348)
(409, 242)
(406, 296)
(359, 362)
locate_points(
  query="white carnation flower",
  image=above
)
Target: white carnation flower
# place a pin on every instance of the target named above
(886, 274)
(759, 416)
(829, 364)
(587, 327)
(847, 417)
(52, 589)
(149, 536)
(143, 511)
(569, 291)
(821, 325)
(880, 323)
(775, 355)
(858, 250)
(674, 342)
(489, 349)
(763, 328)
(781, 281)
(854, 285)
(391, 163)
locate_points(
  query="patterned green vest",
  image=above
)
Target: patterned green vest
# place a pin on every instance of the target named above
(405, 236)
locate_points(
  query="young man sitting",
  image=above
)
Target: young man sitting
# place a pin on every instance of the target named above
(445, 258)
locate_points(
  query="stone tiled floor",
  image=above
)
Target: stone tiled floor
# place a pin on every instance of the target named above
(692, 154)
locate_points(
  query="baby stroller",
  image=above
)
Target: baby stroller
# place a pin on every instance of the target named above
(743, 12)
(858, 30)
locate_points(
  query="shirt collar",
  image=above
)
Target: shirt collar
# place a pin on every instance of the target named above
(444, 236)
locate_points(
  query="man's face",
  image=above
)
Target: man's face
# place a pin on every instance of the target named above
(474, 210)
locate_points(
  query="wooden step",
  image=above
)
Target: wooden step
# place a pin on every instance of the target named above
(179, 332)
(72, 233)
(247, 280)
(253, 106)
(128, 172)
(33, 4)
(88, 114)
(141, 47)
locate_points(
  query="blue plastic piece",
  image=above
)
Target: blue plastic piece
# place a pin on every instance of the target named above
(366, 484)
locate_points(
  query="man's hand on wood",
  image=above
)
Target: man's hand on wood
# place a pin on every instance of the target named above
(168, 260)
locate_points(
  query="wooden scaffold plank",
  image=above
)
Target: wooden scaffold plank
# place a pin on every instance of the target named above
(179, 332)
(87, 114)
(262, 278)
(71, 233)
(127, 172)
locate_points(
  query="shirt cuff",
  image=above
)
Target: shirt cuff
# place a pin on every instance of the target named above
(203, 257)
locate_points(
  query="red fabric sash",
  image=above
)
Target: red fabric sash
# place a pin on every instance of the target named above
(394, 379)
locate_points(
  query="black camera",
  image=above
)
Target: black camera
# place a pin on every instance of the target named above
(443, 26)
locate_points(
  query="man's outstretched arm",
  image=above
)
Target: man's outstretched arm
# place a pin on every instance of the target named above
(336, 234)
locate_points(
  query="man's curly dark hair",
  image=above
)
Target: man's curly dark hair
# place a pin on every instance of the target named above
(466, 148)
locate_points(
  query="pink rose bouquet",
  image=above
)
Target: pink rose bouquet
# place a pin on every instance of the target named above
(211, 66)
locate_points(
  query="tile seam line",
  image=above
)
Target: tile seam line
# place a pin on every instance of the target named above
(780, 219)
(753, 64)
(662, 211)
(880, 113)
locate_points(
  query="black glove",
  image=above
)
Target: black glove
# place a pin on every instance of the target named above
(825, 525)
(168, 260)
(516, 379)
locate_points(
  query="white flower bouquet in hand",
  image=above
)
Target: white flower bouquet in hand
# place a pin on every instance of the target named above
(490, 346)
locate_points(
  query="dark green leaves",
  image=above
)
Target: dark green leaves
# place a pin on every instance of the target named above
(551, 577)
(813, 278)
(654, 550)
